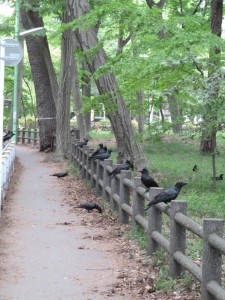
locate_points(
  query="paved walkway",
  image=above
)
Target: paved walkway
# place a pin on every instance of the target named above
(40, 257)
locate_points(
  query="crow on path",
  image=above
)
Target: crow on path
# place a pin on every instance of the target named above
(126, 166)
(219, 177)
(89, 206)
(59, 175)
(167, 195)
(102, 156)
(147, 180)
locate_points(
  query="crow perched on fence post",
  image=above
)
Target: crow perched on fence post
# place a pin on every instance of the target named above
(147, 180)
(102, 156)
(167, 195)
(126, 166)
(8, 136)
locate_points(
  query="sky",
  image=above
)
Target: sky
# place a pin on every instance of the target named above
(6, 10)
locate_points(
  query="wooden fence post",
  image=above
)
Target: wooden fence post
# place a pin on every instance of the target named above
(29, 136)
(154, 221)
(212, 258)
(88, 163)
(124, 194)
(138, 200)
(99, 176)
(93, 173)
(177, 237)
(106, 179)
(35, 136)
(115, 186)
(23, 135)
(84, 160)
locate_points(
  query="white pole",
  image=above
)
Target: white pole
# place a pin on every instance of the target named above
(2, 80)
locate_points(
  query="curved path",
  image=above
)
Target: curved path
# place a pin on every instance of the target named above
(41, 257)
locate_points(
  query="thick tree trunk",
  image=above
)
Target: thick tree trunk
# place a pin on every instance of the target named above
(107, 85)
(63, 136)
(176, 114)
(42, 83)
(86, 92)
(208, 142)
(141, 116)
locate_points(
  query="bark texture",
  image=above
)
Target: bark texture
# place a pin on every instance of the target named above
(40, 62)
(107, 85)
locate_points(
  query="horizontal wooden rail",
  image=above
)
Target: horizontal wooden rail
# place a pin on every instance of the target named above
(129, 197)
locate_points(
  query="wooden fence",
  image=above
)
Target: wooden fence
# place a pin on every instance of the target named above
(27, 136)
(127, 196)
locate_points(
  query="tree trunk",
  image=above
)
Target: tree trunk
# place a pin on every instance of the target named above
(42, 83)
(86, 92)
(63, 136)
(176, 114)
(141, 116)
(107, 86)
(208, 142)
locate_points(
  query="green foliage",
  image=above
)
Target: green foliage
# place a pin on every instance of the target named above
(104, 135)
(138, 234)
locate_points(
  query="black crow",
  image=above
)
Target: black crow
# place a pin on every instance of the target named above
(167, 195)
(102, 156)
(219, 177)
(147, 180)
(195, 168)
(59, 175)
(8, 136)
(128, 164)
(97, 151)
(81, 144)
(89, 206)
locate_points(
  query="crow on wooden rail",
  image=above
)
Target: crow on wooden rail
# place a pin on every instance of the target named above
(90, 206)
(8, 136)
(100, 150)
(147, 180)
(102, 156)
(167, 195)
(126, 166)
(81, 144)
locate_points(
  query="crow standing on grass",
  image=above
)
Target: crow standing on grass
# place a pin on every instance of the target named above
(126, 166)
(147, 180)
(219, 177)
(195, 168)
(167, 195)
(89, 206)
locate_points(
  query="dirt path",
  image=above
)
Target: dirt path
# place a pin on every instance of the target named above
(44, 252)
(51, 251)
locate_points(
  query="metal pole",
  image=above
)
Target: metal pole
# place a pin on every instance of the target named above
(2, 80)
(15, 87)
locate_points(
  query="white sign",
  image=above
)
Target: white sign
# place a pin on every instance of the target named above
(13, 52)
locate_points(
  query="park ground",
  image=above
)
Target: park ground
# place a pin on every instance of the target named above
(49, 250)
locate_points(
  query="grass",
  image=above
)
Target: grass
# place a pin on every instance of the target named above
(172, 160)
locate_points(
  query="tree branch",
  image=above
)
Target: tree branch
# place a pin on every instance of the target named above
(198, 68)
